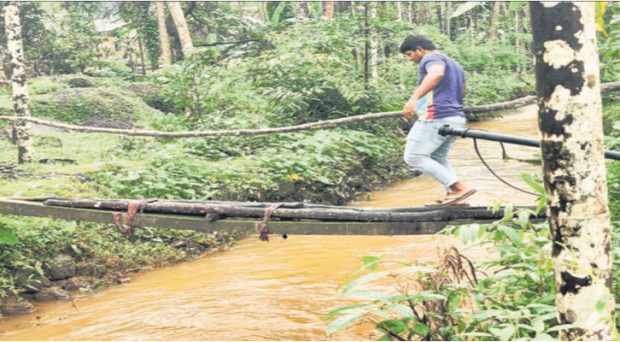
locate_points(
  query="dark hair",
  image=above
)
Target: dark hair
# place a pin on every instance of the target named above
(412, 42)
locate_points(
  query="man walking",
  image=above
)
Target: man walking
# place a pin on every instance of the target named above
(437, 101)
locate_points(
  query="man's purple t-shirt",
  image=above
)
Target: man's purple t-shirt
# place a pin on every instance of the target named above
(446, 99)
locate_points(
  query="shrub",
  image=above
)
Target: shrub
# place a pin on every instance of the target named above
(79, 82)
(92, 106)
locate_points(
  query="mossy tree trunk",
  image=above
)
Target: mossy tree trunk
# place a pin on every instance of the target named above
(181, 25)
(23, 135)
(163, 33)
(570, 120)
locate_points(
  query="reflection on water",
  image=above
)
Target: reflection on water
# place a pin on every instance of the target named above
(269, 291)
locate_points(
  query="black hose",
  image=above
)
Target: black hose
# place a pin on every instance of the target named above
(495, 174)
(504, 138)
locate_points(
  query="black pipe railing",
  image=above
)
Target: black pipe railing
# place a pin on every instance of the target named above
(505, 138)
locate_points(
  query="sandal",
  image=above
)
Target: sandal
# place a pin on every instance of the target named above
(453, 200)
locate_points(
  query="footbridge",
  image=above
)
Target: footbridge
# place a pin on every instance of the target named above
(252, 217)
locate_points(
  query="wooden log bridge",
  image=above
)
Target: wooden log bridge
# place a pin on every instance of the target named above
(243, 217)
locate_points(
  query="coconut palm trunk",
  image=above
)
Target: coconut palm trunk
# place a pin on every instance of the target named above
(22, 132)
(181, 25)
(570, 120)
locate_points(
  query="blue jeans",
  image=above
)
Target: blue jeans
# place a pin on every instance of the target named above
(427, 151)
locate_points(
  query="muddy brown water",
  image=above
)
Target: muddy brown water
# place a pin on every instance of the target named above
(279, 290)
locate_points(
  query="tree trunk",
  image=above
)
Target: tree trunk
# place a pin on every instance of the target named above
(328, 10)
(132, 65)
(570, 120)
(374, 53)
(399, 11)
(164, 40)
(263, 11)
(366, 47)
(240, 9)
(421, 14)
(447, 18)
(301, 10)
(440, 22)
(494, 20)
(141, 51)
(23, 134)
(517, 40)
(181, 25)
(3, 79)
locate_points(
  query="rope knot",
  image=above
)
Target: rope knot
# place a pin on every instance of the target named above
(261, 226)
(132, 210)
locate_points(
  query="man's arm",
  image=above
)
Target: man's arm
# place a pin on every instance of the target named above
(464, 90)
(435, 74)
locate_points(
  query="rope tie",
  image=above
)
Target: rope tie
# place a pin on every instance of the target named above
(132, 210)
(261, 226)
(465, 132)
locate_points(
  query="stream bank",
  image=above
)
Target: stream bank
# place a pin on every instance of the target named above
(276, 290)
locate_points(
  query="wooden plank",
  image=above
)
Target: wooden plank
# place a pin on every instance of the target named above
(22, 208)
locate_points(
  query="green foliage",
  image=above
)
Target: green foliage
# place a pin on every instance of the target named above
(35, 241)
(609, 47)
(7, 235)
(464, 8)
(310, 76)
(79, 82)
(41, 86)
(323, 166)
(514, 301)
(141, 17)
(488, 71)
(106, 68)
(279, 11)
(107, 106)
(220, 96)
(611, 126)
(315, 71)
(152, 94)
(74, 47)
(611, 115)
(37, 38)
(508, 297)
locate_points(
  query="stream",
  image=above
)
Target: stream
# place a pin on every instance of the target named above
(279, 290)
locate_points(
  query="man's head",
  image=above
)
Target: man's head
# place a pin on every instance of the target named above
(415, 47)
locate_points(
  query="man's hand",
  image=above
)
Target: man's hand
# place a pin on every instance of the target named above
(409, 109)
